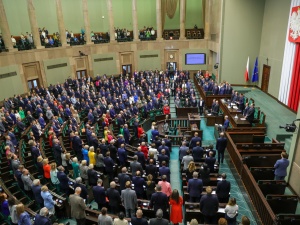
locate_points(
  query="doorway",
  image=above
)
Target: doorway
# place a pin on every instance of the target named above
(265, 78)
(32, 84)
(81, 74)
(126, 69)
(171, 66)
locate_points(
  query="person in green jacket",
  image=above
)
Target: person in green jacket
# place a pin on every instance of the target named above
(75, 166)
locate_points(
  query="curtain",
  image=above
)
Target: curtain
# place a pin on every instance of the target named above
(295, 81)
(171, 6)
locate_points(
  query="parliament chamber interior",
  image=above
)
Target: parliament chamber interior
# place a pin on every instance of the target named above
(149, 111)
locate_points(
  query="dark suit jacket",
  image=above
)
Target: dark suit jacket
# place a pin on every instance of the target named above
(138, 221)
(109, 163)
(76, 144)
(193, 142)
(139, 182)
(113, 196)
(63, 180)
(197, 153)
(221, 144)
(151, 169)
(123, 178)
(210, 161)
(156, 221)
(99, 194)
(84, 191)
(37, 194)
(223, 189)
(92, 176)
(135, 166)
(209, 205)
(159, 200)
(42, 220)
(195, 187)
(164, 171)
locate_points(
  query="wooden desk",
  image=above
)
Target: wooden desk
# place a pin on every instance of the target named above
(183, 112)
(235, 122)
(212, 120)
(232, 108)
(195, 118)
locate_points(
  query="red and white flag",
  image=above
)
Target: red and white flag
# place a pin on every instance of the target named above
(247, 70)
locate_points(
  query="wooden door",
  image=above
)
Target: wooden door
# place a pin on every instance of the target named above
(265, 78)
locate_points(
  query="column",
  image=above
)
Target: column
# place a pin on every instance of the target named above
(61, 23)
(87, 25)
(111, 21)
(135, 21)
(207, 19)
(33, 24)
(182, 19)
(158, 20)
(5, 29)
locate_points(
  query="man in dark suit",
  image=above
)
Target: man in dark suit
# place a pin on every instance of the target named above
(215, 109)
(194, 140)
(77, 145)
(94, 141)
(135, 166)
(209, 206)
(163, 158)
(221, 146)
(195, 187)
(141, 157)
(201, 105)
(78, 207)
(159, 200)
(92, 175)
(43, 217)
(250, 114)
(280, 166)
(63, 180)
(99, 194)
(57, 150)
(126, 134)
(139, 184)
(159, 220)
(109, 166)
(164, 170)
(123, 178)
(198, 152)
(226, 124)
(139, 220)
(122, 155)
(223, 189)
(84, 191)
(210, 161)
(36, 190)
(114, 198)
(151, 169)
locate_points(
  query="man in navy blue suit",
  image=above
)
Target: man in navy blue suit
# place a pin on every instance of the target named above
(139, 184)
(163, 157)
(99, 194)
(63, 180)
(221, 146)
(151, 169)
(43, 217)
(123, 178)
(122, 155)
(226, 123)
(109, 166)
(194, 141)
(198, 152)
(280, 166)
(223, 189)
(210, 161)
(195, 187)
(209, 206)
(77, 145)
(159, 200)
(126, 134)
(91, 116)
(36, 190)
(164, 170)
(154, 133)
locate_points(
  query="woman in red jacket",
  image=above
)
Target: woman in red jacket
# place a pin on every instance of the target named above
(176, 203)
(166, 109)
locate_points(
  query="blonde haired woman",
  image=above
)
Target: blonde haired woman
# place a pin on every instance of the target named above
(75, 166)
(190, 170)
(91, 155)
(53, 175)
(22, 215)
(48, 199)
(83, 168)
(47, 169)
(231, 211)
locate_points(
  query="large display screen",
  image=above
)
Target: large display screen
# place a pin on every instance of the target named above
(195, 58)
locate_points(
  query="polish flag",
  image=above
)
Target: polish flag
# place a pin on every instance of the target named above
(247, 70)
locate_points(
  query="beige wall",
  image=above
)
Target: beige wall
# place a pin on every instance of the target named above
(108, 66)
(272, 43)
(12, 85)
(57, 75)
(149, 63)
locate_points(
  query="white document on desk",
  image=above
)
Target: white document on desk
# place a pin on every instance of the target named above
(221, 210)
(242, 118)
